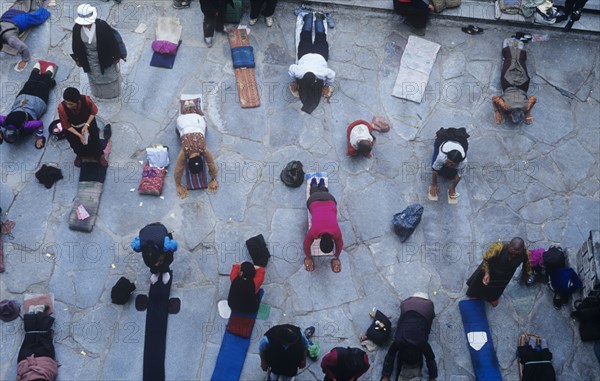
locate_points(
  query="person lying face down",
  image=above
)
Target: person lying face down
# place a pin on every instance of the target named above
(515, 81)
(191, 128)
(323, 210)
(28, 108)
(311, 77)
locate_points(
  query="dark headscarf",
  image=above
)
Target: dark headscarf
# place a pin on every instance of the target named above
(310, 89)
(71, 94)
(15, 119)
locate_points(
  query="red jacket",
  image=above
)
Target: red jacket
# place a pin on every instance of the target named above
(351, 150)
(324, 220)
(259, 277)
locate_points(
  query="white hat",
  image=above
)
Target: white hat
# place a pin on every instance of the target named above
(86, 14)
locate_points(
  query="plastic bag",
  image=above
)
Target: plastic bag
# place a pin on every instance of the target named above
(293, 174)
(406, 221)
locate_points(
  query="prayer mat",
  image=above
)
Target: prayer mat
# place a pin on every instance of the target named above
(315, 248)
(479, 340)
(232, 354)
(245, 77)
(155, 337)
(415, 68)
(85, 206)
(194, 181)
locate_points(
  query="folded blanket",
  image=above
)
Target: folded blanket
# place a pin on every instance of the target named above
(164, 47)
(240, 325)
(243, 57)
(153, 179)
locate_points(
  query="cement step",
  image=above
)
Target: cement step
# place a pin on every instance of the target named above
(473, 11)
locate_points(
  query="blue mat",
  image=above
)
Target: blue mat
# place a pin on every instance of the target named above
(481, 345)
(232, 354)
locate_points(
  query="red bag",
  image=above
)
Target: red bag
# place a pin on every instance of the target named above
(152, 182)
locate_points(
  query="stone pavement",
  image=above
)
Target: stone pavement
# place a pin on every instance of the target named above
(540, 182)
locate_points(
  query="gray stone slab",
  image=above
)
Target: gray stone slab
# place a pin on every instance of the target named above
(25, 267)
(549, 64)
(562, 118)
(198, 217)
(235, 182)
(536, 212)
(230, 243)
(286, 241)
(315, 296)
(583, 216)
(183, 344)
(573, 171)
(454, 64)
(506, 224)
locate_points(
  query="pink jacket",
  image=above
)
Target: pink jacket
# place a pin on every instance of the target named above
(324, 220)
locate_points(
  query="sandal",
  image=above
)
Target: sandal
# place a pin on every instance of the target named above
(336, 265)
(309, 264)
(40, 139)
(472, 29)
(309, 332)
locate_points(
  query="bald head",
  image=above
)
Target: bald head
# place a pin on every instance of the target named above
(517, 244)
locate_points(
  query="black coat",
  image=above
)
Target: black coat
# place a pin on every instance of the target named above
(108, 47)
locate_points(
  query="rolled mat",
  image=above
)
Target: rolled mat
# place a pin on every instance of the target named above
(155, 341)
(479, 340)
(245, 78)
(232, 355)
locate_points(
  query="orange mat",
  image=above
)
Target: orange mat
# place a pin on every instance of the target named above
(244, 77)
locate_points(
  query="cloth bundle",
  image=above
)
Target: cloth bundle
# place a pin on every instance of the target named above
(153, 177)
(242, 56)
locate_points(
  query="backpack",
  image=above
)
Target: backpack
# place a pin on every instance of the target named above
(565, 280)
(293, 174)
(122, 47)
(554, 259)
(587, 311)
(350, 362)
(459, 135)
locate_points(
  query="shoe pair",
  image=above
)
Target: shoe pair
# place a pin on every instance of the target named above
(313, 183)
(268, 20)
(165, 278)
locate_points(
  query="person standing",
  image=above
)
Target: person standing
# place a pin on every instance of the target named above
(497, 269)
(269, 9)
(411, 341)
(77, 114)
(96, 50)
(214, 18)
(415, 12)
(283, 350)
(157, 247)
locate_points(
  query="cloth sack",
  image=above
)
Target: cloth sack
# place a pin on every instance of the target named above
(9, 310)
(293, 174)
(48, 175)
(158, 156)
(406, 221)
(440, 5)
(121, 291)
